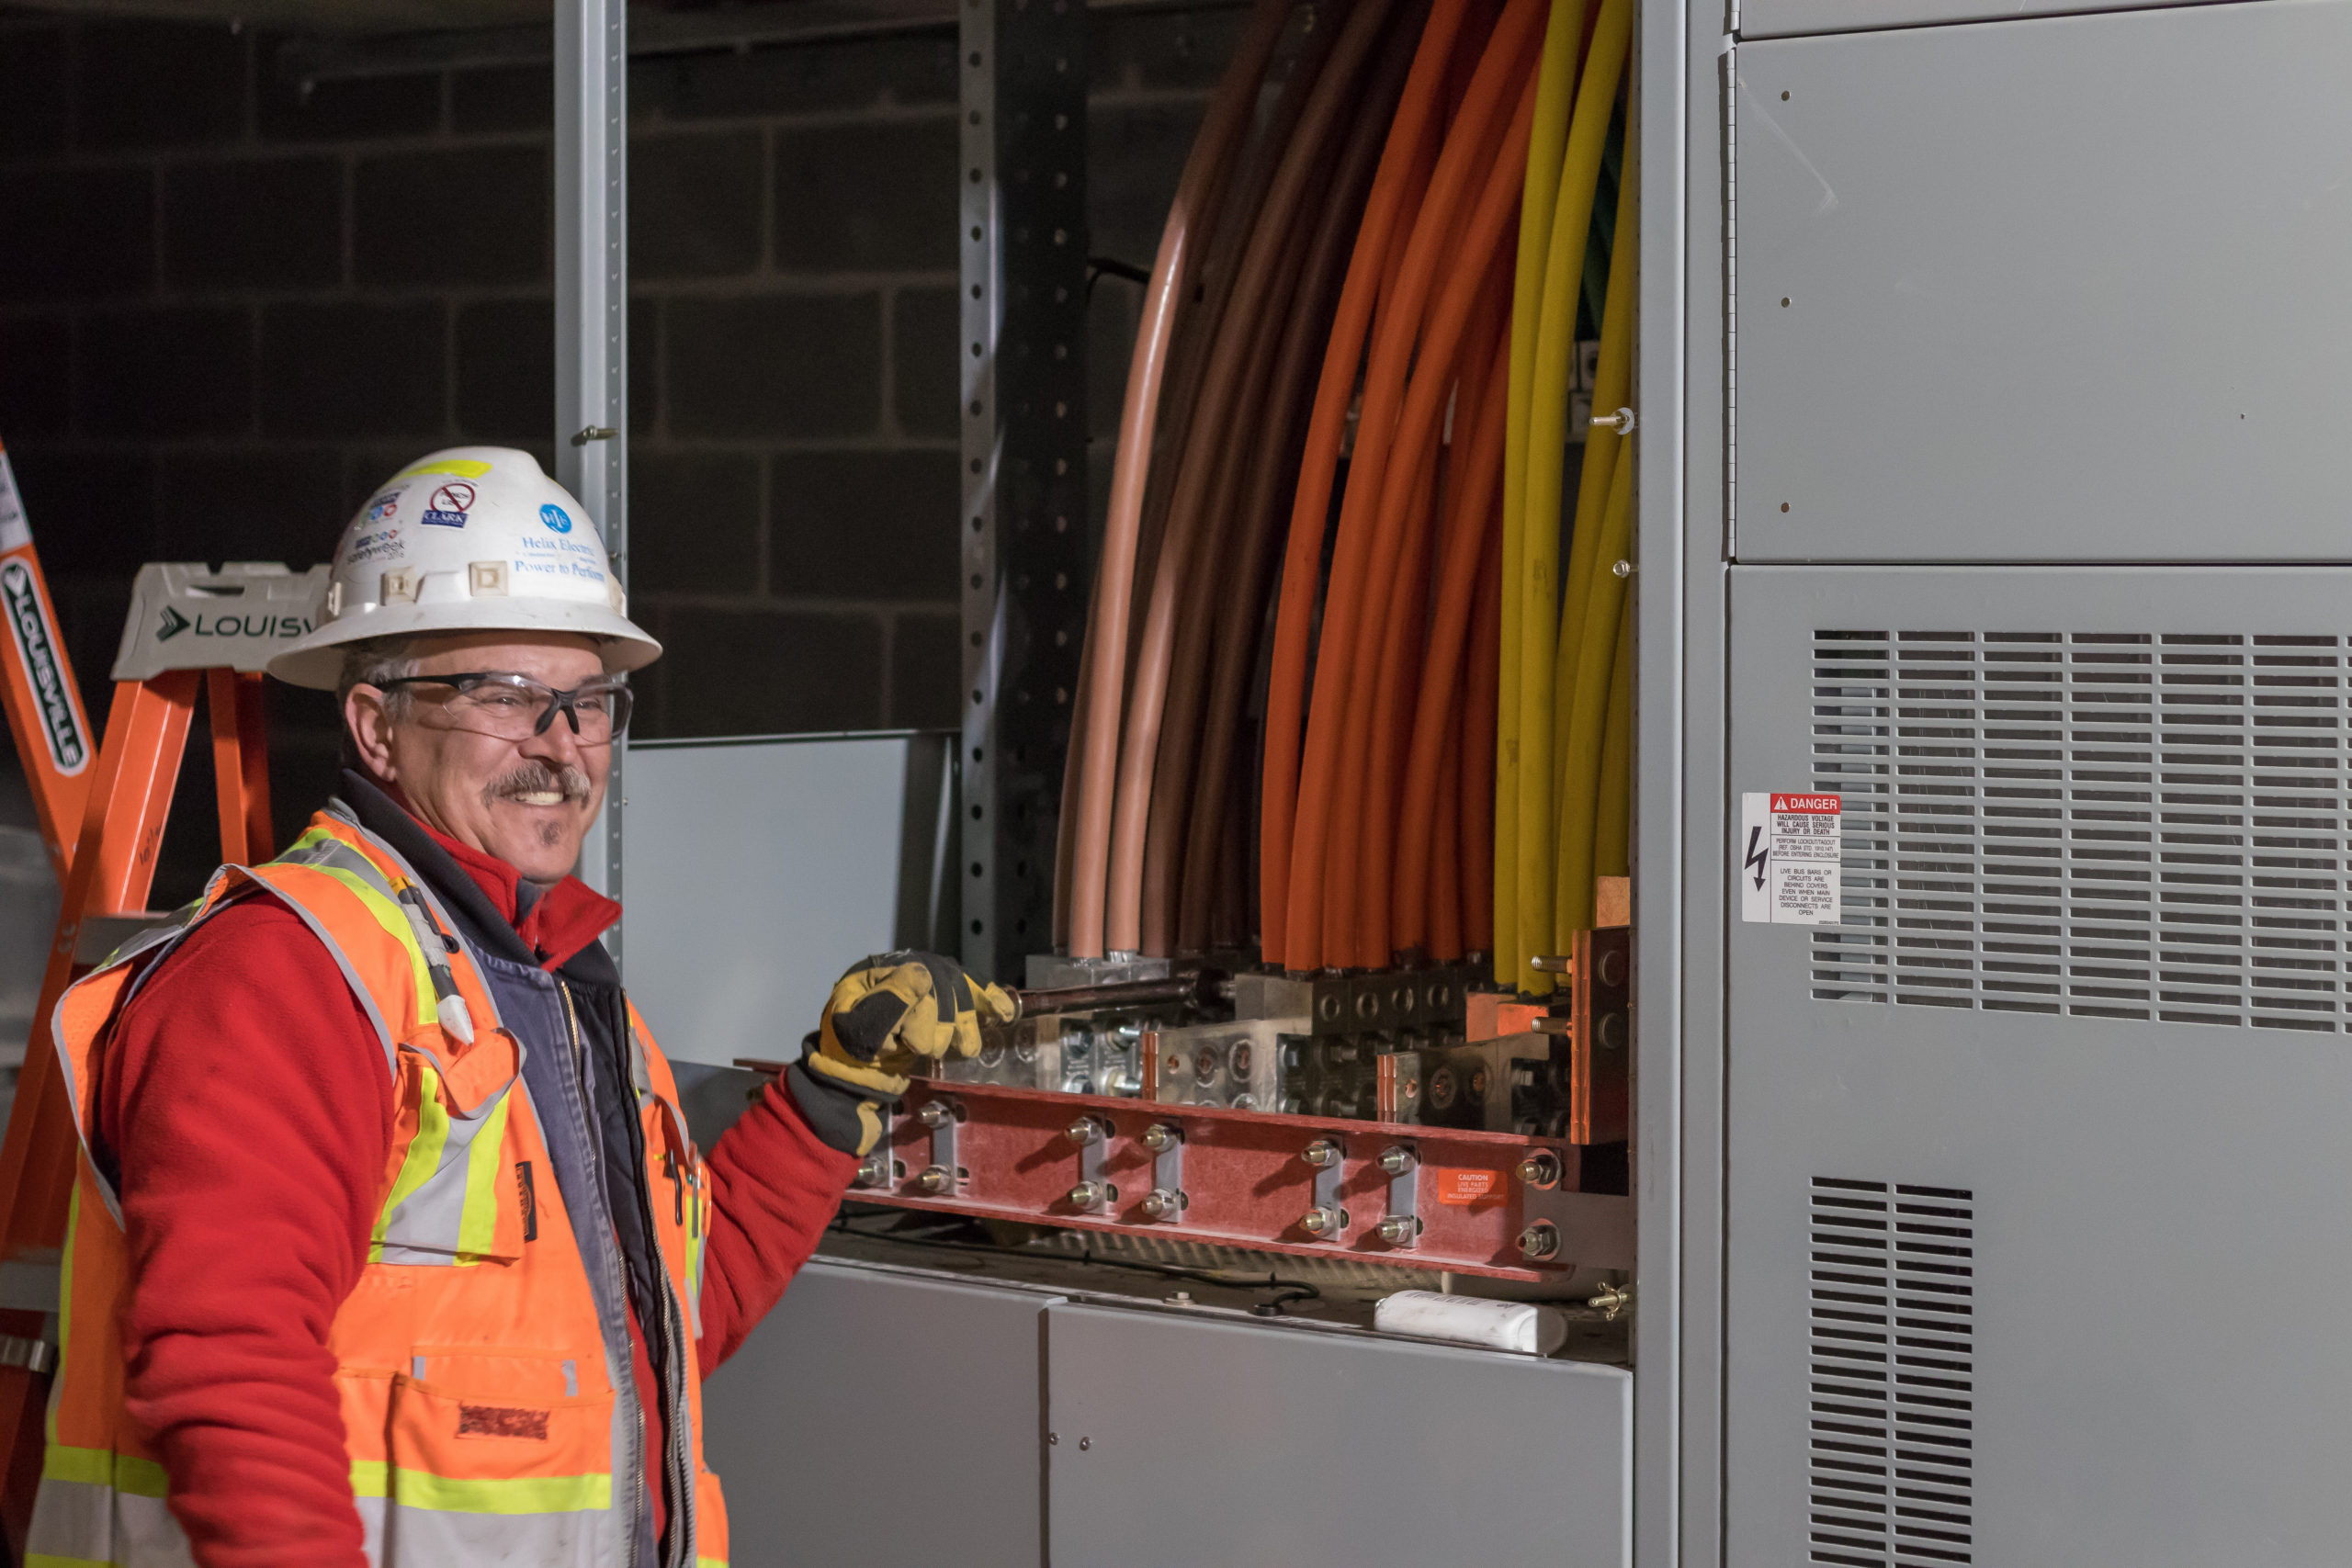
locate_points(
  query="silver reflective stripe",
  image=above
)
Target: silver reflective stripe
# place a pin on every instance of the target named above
(431, 1218)
(400, 1537)
(570, 1380)
(341, 811)
(79, 1522)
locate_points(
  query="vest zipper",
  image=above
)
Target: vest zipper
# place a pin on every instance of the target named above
(619, 1286)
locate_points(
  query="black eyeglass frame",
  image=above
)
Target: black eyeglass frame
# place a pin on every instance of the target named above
(565, 702)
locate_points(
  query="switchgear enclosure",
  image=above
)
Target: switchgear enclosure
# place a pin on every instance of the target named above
(2081, 806)
(2056, 289)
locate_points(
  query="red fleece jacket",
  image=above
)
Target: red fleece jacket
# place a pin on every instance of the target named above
(250, 1116)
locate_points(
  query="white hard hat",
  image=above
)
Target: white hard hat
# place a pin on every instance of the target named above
(475, 538)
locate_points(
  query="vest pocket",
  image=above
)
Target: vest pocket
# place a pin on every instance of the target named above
(493, 1458)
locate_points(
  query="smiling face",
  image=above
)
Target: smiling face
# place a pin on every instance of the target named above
(528, 802)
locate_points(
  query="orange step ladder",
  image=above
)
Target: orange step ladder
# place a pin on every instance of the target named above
(190, 629)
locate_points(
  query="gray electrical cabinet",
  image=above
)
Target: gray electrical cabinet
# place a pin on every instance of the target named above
(2014, 509)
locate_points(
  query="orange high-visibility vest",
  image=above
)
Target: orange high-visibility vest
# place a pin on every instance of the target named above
(480, 1412)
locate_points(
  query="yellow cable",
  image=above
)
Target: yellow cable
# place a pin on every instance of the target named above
(1539, 527)
(1613, 387)
(1555, 90)
(1613, 824)
(1587, 710)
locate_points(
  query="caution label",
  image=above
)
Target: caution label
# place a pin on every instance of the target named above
(1463, 1188)
(1790, 852)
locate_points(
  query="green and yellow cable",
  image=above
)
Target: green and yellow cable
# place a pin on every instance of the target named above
(1547, 139)
(1537, 588)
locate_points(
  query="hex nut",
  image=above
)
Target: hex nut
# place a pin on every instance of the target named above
(1158, 1137)
(1320, 1222)
(1160, 1203)
(935, 1179)
(935, 1113)
(1539, 1240)
(1398, 1229)
(1540, 1168)
(874, 1170)
(1321, 1154)
(1086, 1195)
(1083, 1131)
(1396, 1159)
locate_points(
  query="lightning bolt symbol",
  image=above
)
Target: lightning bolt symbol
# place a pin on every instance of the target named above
(1757, 853)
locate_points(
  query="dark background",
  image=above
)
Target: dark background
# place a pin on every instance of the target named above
(231, 306)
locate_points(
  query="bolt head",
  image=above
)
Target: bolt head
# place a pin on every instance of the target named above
(1396, 1230)
(1160, 1203)
(1318, 1221)
(1321, 1154)
(934, 1113)
(1083, 1131)
(1085, 1195)
(1158, 1137)
(935, 1179)
(1395, 1160)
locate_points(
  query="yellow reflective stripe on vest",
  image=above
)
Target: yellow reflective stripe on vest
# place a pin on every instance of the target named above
(518, 1494)
(478, 1229)
(103, 1467)
(375, 896)
(423, 1156)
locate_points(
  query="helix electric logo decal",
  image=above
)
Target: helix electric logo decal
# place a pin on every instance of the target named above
(557, 518)
(29, 624)
(174, 624)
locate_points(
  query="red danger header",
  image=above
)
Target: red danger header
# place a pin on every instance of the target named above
(1828, 805)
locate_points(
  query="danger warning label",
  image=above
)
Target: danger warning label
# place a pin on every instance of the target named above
(1789, 846)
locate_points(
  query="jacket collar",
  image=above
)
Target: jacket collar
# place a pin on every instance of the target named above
(485, 925)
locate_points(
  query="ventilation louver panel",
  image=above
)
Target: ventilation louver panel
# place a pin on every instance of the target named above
(1893, 1376)
(2129, 826)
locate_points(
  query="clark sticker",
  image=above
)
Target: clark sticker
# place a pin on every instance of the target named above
(1790, 847)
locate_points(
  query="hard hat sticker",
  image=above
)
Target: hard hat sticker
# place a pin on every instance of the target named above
(449, 505)
(383, 506)
(557, 518)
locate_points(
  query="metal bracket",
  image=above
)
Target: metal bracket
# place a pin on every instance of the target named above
(1401, 1226)
(943, 1178)
(1165, 1203)
(1094, 1194)
(1326, 1160)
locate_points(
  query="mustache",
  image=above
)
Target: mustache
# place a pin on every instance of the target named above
(538, 778)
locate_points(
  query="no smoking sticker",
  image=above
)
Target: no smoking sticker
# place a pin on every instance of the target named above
(1790, 847)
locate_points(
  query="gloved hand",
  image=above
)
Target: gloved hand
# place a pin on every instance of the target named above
(885, 1013)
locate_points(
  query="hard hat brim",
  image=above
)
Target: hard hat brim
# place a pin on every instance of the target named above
(316, 659)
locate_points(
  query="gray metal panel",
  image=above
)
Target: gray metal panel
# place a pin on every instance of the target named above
(2159, 1293)
(1781, 19)
(758, 870)
(1181, 1440)
(2064, 289)
(876, 1417)
(592, 320)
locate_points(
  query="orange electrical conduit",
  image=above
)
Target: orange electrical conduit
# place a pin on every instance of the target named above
(1234, 215)
(1322, 912)
(1352, 756)
(1310, 510)
(1273, 466)
(1466, 551)
(1221, 390)
(1226, 430)
(1477, 761)
(1229, 117)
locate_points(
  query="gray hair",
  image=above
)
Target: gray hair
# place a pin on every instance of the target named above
(371, 663)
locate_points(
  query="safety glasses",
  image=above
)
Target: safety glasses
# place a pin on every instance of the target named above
(516, 707)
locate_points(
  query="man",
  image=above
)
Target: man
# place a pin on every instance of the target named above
(390, 1244)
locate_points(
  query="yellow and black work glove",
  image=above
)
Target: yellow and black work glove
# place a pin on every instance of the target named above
(885, 1013)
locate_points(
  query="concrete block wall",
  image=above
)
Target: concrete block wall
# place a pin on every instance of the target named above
(230, 306)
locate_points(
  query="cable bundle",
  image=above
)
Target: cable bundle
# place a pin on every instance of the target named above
(1365, 269)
